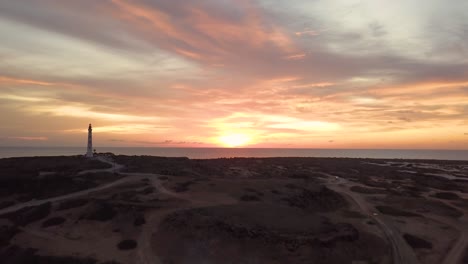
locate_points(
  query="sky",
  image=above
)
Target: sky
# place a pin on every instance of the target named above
(235, 73)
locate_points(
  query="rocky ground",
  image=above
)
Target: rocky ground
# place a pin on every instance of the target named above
(242, 210)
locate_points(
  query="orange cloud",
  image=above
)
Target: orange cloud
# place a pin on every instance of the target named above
(30, 138)
(202, 32)
(9, 80)
(295, 56)
(320, 84)
(418, 87)
(307, 32)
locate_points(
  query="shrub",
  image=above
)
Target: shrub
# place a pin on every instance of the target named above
(417, 242)
(53, 221)
(127, 244)
(29, 214)
(139, 220)
(388, 210)
(71, 204)
(447, 196)
(365, 190)
(103, 212)
(249, 198)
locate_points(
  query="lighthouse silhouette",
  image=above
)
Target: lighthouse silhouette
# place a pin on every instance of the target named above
(89, 152)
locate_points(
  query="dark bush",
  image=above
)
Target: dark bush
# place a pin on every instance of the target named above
(275, 192)
(417, 242)
(148, 190)
(53, 221)
(139, 220)
(21, 176)
(322, 200)
(69, 204)
(127, 244)
(365, 190)
(299, 175)
(6, 233)
(465, 258)
(29, 214)
(447, 196)
(103, 212)
(291, 186)
(6, 204)
(251, 190)
(17, 255)
(249, 198)
(389, 210)
(183, 186)
(353, 214)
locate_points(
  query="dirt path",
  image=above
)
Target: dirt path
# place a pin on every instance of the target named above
(401, 252)
(20, 206)
(457, 250)
(145, 253)
(115, 168)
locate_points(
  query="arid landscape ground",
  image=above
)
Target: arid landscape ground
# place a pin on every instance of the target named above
(143, 209)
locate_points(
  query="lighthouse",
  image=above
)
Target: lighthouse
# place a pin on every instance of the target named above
(89, 152)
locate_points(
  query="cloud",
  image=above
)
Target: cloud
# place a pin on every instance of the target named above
(30, 138)
(192, 70)
(9, 80)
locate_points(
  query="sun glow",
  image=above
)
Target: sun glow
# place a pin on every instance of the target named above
(234, 140)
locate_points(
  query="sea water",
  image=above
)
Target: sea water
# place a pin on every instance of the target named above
(210, 153)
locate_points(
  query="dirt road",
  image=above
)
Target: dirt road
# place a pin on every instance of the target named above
(401, 252)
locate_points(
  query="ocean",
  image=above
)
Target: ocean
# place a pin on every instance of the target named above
(210, 153)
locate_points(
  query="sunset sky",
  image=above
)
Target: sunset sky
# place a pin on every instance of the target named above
(222, 73)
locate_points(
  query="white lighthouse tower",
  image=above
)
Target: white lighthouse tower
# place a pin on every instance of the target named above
(89, 152)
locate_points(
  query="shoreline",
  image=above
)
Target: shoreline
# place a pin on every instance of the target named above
(209, 153)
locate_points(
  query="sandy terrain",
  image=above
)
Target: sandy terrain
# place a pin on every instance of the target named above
(279, 210)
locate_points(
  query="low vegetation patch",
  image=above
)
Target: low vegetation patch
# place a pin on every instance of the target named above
(15, 254)
(29, 214)
(322, 200)
(148, 190)
(250, 190)
(465, 258)
(352, 214)
(275, 192)
(69, 204)
(53, 221)
(417, 242)
(24, 176)
(365, 190)
(139, 220)
(102, 212)
(6, 233)
(389, 210)
(183, 186)
(447, 196)
(249, 198)
(127, 244)
(6, 204)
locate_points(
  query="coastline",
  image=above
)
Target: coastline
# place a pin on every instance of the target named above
(210, 153)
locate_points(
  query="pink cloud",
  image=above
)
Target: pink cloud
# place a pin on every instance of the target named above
(30, 138)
